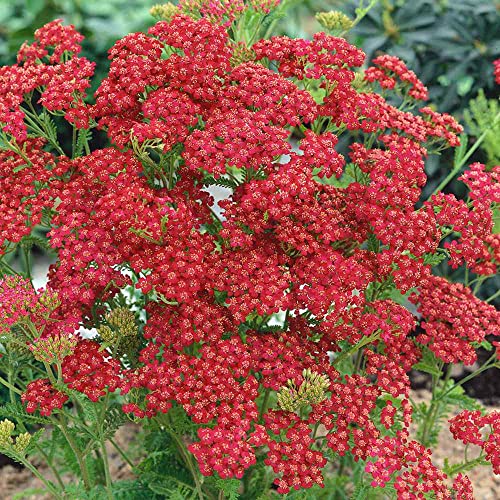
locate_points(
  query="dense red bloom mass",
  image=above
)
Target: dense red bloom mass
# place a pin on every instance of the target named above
(453, 319)
(386, 66)
(42, 396)
(467, 426)
(87, 370)
(463, 487)
(308, 263)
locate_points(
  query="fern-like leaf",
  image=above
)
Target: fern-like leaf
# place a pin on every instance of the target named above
(482, 117)
(16, 411)
(229, 487)
(84, 135)
(28, 242)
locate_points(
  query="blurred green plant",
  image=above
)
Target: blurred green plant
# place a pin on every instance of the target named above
(451, 45)
(482, 117)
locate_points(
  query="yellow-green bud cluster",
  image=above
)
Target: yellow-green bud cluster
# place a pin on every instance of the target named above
(121, 331)
(49, 300)
(241, 54)
(164, 12)
(53, 349)
(311, 391)
(6, 429)
(123, 320)
(22, 442)
(18, 340)
(334, 21)
(359, 83)
(18, 445)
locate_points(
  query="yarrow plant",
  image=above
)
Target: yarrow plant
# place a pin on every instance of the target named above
(262, 344)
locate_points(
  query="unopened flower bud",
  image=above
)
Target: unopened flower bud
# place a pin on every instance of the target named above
(53, 349)
(22, 442)
(359, 83)
(121, 331)
(241, 54)
(164, 12)
(311, 391)
(123, 320)
(6, 429)
(50, 300)
(334, 21)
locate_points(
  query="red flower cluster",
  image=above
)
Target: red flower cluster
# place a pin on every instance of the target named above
(463, 487)
(42, 396)
(88, 371)
(31, 310)
(411, 463)
(293, 458)
(387, 68)
(468, 427)
(24, 189)
(223, 12)
(297, 273)
(64, 77)
(454, 319)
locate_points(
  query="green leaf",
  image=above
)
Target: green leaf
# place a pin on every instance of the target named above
(373, 244)
(464, 85)
(496, 220)
(162, 470)
(78, 492)
(458, 399)
(113, 420)
(131, 490)
(34, 6)
(28, 242)
(434, 259)
(361, 492)
(17, 411)
(84, 135)
(29, 493)
(49, 127)
(230, 487)
(428, 363)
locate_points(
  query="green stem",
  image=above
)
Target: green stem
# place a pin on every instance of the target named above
(100, 430)
(27, 263)
(357, 347)
(263, 408)
(187, 460)
(73, 142)
(23, 428)
(433, 411)
(494, 296)
(489, 363)
(315, 430)
(361, 13)
(109, 489)
(181, 447)
(357, 363)
(9, 268)
(469, 153)
(13, 146)
(40, 127)
(10, 386)
(121, 452)
(35, 472)
(78, 454)
(465, 466)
